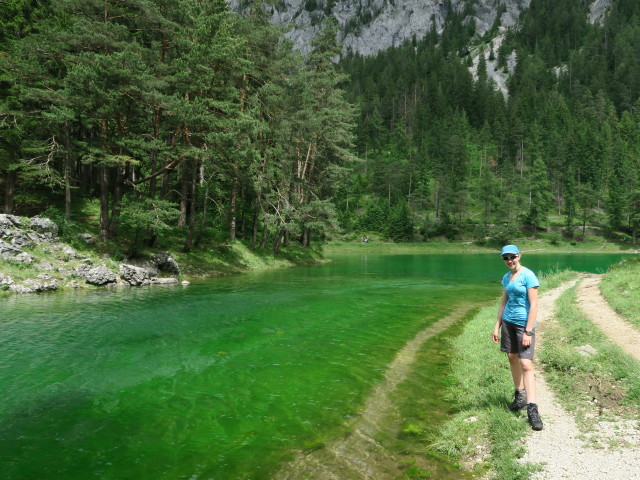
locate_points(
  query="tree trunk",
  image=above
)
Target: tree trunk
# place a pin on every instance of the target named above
(277, 241)
(104, 202)
(9, 191)
(192, 207)
(184, 191)
(67, 174)
(154, 153)
(67, 189)
(10, 183)
(232, 214)
(243, 217)
(254, 231)
(164, 190)
(306, 237)
(203, 223)
(265, 232)
(115, 208)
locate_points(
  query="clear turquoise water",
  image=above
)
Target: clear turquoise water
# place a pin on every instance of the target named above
(221, 379)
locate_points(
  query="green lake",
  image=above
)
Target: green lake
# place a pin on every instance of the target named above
(224, 378)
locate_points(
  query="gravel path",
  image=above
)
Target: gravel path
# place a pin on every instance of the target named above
(561, 446)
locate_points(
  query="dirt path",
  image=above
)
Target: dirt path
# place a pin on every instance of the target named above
(601, 314)
(566, 453)
(359, 455)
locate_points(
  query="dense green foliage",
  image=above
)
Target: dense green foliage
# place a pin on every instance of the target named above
(562, 142)
(185, 118)
(167, 112)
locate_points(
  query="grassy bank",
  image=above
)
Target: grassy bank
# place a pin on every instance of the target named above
(481, 433)
(543, 244)
(238, 257)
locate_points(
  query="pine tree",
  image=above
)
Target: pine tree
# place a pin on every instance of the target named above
(540, 195)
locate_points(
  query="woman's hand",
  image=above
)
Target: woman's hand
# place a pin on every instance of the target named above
(496, 335)
(526, 340)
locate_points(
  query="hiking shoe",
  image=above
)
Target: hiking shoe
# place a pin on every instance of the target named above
(534, 416)
(519, 401)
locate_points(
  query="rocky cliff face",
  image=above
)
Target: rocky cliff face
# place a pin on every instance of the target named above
(369, 26)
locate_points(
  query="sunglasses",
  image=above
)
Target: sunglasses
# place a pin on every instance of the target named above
(509, 258)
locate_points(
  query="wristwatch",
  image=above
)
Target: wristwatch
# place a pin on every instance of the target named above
(529, 332)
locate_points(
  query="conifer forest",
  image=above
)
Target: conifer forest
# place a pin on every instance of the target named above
(183, 118)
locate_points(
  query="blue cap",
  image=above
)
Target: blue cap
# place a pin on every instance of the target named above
(510, 249)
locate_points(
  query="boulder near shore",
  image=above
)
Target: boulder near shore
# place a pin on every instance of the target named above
(32, 248)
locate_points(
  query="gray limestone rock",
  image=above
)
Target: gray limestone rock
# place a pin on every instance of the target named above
(96, 276)
(18, 232)
(24, 257)
(8, 251)
(44, 226)
(166, 263)
(134, 276)
(390, 23)
(164, 280)
(42, 283)
(87, 237)
(9, 221)
(44, 265)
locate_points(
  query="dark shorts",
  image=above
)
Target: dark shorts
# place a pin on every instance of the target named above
(511, 340)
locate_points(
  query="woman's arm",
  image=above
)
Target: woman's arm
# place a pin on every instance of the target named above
(532, 293)
(496, 329)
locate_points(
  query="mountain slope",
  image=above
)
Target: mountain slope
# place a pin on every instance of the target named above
(368, 26)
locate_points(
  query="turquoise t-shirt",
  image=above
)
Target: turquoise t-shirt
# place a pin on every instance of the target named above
(517, 308)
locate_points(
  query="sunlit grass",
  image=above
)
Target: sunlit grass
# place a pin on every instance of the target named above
(621, 288)
(544, 243)
(482, 433)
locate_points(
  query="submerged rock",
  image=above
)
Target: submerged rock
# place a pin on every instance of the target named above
(164, 280)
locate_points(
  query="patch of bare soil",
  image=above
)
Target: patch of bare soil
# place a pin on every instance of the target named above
(359, 455)
(561, 448)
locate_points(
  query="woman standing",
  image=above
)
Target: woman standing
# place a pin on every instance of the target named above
(517, 322)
